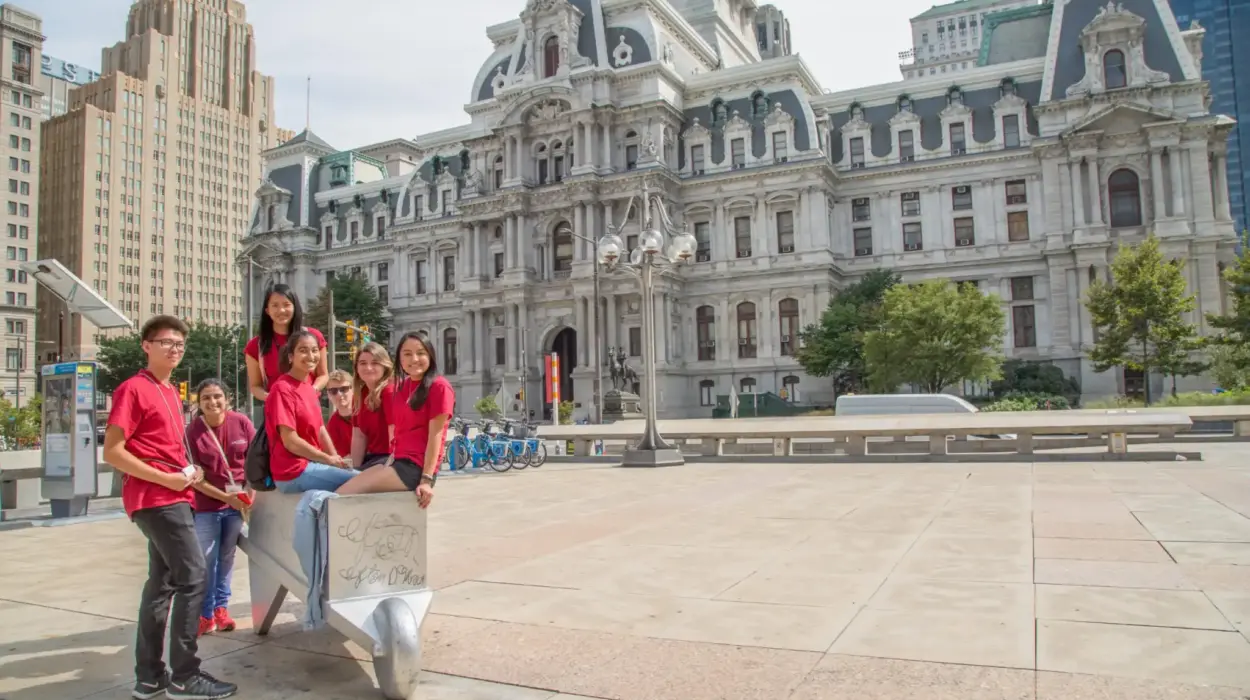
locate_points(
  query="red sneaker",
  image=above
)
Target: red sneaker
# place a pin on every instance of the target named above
(207, 625)
(221, 618)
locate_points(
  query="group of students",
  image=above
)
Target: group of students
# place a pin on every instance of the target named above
(185, 487)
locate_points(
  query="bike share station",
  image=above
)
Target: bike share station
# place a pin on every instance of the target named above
(69, 459)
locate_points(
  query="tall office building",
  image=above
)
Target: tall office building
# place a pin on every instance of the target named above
(56, 79)
(148, 179)
(1226, 65)
(947, 38)
(21, 43)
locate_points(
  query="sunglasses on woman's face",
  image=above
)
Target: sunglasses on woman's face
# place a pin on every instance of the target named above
(336, 390)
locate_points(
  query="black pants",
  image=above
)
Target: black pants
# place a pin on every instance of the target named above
(175, 572)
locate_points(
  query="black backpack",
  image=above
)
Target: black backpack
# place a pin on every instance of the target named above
(256, 464)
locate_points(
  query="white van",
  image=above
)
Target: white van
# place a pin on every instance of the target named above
(900, 404)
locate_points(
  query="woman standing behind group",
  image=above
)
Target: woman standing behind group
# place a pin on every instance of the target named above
(281, 316)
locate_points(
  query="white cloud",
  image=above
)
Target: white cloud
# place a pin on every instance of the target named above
(385, 69)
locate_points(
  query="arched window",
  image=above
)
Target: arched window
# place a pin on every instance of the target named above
(788, 311)
(746, 330)
(705, 331)
(449, 351)
(1124, 191)
(557, 161)
(498, 172)
(562, 248)
(790, 388)
(1114, 74)
(544, 167)
(272, 218)
(551, 56)
(706, 389)
(719, 114)
(747, 385)
(759, 105)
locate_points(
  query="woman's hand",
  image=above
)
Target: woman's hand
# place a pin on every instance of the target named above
(233, 500)
(425, 494)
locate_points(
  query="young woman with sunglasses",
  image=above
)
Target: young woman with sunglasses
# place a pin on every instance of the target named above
(421, 407)
(339, 424)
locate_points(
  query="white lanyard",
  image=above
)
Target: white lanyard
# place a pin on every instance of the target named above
(232, 487)
(170, 412)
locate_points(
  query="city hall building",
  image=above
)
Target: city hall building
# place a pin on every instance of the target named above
(1081, 127)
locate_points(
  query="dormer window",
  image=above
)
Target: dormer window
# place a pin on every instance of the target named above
(551, 56)
(904, 104)
(720, 114)
(1114, 74)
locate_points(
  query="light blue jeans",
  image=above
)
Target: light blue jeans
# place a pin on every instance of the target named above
(218, 533)
(316, 477)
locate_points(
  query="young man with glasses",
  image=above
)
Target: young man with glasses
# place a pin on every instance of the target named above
(146, 441)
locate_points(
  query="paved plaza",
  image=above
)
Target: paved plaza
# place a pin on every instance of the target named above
(1046, 581)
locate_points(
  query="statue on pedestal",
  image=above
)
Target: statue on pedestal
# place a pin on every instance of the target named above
(619, 403)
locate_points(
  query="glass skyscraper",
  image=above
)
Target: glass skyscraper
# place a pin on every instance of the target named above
(1226, 65)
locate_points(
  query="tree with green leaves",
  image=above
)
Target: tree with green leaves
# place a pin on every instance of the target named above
(20, 427)
(1233, 330)
(355, 299)
(935, 334)
(1139, 317)
(122, 356)
(834, 347)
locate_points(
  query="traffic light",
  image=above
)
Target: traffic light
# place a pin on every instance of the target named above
(351, 352)
(182, 390)
(364, 334)
(351, 331)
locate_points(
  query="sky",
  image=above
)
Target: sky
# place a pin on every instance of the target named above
(384, 69)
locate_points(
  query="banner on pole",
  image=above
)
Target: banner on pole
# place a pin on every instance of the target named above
(553, 384)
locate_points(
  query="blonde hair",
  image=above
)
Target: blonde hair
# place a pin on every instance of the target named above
(374, 399)
(339, 375)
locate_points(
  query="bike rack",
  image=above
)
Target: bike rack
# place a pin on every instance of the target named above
(376, 588)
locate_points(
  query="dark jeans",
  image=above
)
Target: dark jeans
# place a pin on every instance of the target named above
(175, 572)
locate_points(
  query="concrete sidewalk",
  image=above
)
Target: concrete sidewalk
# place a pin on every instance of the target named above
(738, 581)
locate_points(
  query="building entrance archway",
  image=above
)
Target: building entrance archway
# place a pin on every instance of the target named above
(564, 344)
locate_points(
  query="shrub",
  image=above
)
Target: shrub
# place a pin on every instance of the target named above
(1036, 379)
(487, 407)
(1025, 401)
(1192, 398)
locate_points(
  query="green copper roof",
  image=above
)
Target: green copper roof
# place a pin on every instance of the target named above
(956, 7)
(997, 18)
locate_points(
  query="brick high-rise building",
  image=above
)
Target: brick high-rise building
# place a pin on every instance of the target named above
(148, 179)
(21, 44)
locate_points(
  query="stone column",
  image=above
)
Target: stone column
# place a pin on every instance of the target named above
(513, 333)
(1156, 181)
(1200, 176)
(510, 241)
(759, 238)
(1082, 286)
(525, 341)
(611, 322)
(583, 332)
(1078, 194)
(1178, 182)
(475, 251)
(579, 229)
(482, 344)
(469, 328)
(1222, 211)
(727, 337)
(721, 239)
(1095, 192)
(1061, 337)
(606, 152)
(402, 274)
(524, 246)
(1051, 196)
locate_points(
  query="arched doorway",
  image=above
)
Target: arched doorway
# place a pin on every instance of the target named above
(564, 344)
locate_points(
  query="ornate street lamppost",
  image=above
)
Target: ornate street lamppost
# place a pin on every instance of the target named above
(651, 257)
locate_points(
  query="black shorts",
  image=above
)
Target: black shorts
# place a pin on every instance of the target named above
(373, 459)
(409, 472)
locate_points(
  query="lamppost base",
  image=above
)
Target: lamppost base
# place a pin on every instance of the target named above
(669, 457)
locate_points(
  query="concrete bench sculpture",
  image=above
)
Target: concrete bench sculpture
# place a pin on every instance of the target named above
(375, 589)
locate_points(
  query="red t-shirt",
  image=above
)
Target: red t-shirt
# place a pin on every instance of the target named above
(234, 435)
(376, 425)
(252, 350)
(412, 428)
(340, 430)
(293, 404)
(150, 417)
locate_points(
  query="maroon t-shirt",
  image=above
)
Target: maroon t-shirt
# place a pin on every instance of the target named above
(234, 435)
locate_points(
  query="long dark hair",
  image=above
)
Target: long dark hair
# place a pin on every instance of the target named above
(288, 351)
(266, 323)
(417, 400)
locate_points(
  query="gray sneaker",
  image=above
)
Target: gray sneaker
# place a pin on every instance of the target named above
(200, 687)
(146, 691)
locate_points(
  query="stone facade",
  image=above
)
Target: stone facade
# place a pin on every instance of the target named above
(1023, 178)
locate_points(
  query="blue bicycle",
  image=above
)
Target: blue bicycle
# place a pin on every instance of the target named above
(528, 446)
(479, 451)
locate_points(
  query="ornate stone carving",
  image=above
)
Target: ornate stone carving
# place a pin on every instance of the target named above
(546, 111)
(736, 122)
(1114, 28)
(499, 82)
(779, 117)
(473, 183)
(696, 131)
(623, 54)
(668, 53)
